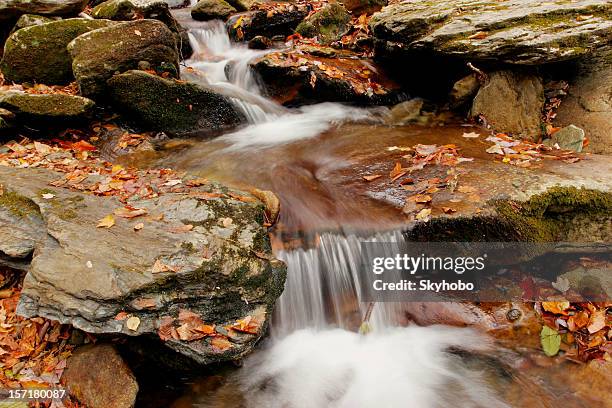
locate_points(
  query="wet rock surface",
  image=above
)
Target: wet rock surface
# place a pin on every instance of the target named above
(244, 26)
(510, 31)
(98, 55)
(40, 109)
(208, 258)
(327, 24)
(97, 376)
(173, 106)
(13, 8)
(212, 9)
(511, 102)
(38, 53)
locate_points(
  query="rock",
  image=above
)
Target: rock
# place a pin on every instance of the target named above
(260, 43)
(568, 138)
(38, 53)
(212, 10)
(589, 103)
(41, 108)
(99, 378)
(172, 106)
(307, 74)
(511, 103)
(464, 90)
(97, 55)
(509, 31)
(283, 21)
(358, 7)
(242, 5)
(128, 10)
(28, 20)
(14, 8)
(328, 24)
(205, 252)
(406, 112)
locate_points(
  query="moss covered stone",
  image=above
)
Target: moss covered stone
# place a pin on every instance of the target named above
(45, 107)
(212, 10)
(38, 53)
(328, 24)
(172, 106)
(28, 20)
(18, 205)
(100, 54)
(14, 8)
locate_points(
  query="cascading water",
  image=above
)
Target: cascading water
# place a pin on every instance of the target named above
(314, 357)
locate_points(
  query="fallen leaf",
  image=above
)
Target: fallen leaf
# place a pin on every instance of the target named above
(551, 341)
(422, 198)
(48, 196)
(132, 323)
(220, 343)
(597, 321)
(448, 210)
(159, 267)
(556, 307)
(478, 36)
(561, 284)
(138, 226)
(424, 214)
(129, 212)
(372, 177)
(106, 222)
(495, 149)
(181, 228)
(471, 135)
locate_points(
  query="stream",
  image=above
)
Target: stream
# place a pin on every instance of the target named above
(314, 356)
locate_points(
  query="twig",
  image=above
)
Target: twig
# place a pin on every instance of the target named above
(480, 73)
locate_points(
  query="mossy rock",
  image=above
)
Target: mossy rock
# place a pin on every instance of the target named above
(28, 20)
(172, 106)
(14, 8)
(38, 53)
(98, 55)
(46, 107)
(212, 10)
(328, 24)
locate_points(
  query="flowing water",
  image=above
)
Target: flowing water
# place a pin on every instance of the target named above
(314, 357)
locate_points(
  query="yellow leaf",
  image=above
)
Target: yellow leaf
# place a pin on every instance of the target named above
(106, 222)
(132, 323)
(556, 307)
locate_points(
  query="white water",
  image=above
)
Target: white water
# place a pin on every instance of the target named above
(313, 359)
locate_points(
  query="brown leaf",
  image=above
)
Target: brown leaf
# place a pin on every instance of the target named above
(372, 177)
(220, 343)
(597, 321)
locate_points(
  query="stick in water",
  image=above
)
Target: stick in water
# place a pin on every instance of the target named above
(365, 324)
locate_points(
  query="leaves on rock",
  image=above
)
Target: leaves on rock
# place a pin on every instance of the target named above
(550, 340)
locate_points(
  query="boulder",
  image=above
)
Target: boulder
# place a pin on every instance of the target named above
(308, 74)
(569, 138)
(260, 43)
(589, 103)
(510, 31)
(171, 106)
(46, 108)
(28, 20)
(6, 119)
(242, 5)
(212, 10)
(14, 8)
(200, 262)
(358, 7)
(128, 10)
(464, 90)
(97, 55)
(99, 378)
(511, 102)
(327, 24)
(282, 20)
(38, 53)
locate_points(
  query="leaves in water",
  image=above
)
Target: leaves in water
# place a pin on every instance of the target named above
(551, 341)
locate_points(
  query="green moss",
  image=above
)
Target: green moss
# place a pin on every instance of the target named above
(328, 24)
(18, 205)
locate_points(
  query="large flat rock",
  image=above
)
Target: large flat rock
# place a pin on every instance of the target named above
(203, 250)
(510, 31)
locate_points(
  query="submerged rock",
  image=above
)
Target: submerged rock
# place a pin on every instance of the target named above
(202, 256)
(568, 138)
(282, 21)
(589, 103)
(128, 10)
(511, 31)
(212, 10)
(45, 108)
(327, 24)
(98, 377)
(38, 53)
(172, 106)
(313, 74)
(13, 8)
(511, 102)
(97, 55)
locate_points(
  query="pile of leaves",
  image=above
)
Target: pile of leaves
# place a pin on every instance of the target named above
(522, 153)
(70, 89)
(582, 330)
(358, 37)
(33, 352)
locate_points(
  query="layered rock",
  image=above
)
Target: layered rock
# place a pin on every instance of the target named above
(327, 24)
(201, 253)
(46, 108)
(511, 102)
(171, 106)
(282, 21)
(28, 20)
(511, 31)
(97, 376)
(97, 55)
(212, 10)
(589, 103)
(38, 53)
(13, 8)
